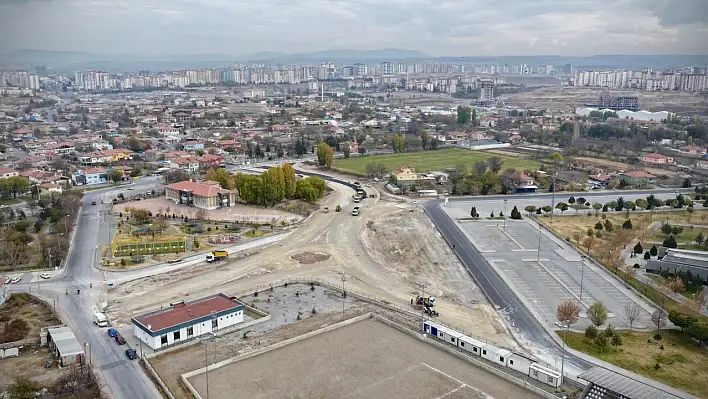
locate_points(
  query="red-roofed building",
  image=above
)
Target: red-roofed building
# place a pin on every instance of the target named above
(7, 173)
(207, 161)
(657, 159)
(185, 321)
(204, 195)
(637, 178)
(693, 150)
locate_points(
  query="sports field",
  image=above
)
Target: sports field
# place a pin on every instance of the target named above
(426, 161)
(366, 359)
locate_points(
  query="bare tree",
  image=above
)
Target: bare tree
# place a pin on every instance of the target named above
(675, 284)
(201, 214)
(659, 318)
(631, 312)
(568, 313)
(480, 167)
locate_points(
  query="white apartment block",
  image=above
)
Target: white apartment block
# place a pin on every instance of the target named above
(644, 80)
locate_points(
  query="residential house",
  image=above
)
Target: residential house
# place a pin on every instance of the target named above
(657, 159)
(7, 173)
(699, 165)
(101, 145)
(189, 164)
(166, 129)
(521, 183)
(91, 176)
(95, 158)
(204, 195)
(405, 174)
(599, 180)
(193, 146)
(35, 176)
(49, 188)
(637, 178)
(692, 150)
(210, 161)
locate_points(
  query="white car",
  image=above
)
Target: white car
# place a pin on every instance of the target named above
(368, 184)
(130, 188)
(16, 280)
(8, 280)
(44, 275)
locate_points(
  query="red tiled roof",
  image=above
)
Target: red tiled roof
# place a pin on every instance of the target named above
(183, 313)
(6, 171)
(519, 177)
(638, 174)
(654, 156)
(202, 189)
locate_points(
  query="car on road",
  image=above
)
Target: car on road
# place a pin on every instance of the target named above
(44, 275)
(112, 332)
(130, 188)
(8, 280)
(131, 353)
(119, 339)
(16, 280)
(175, 260)
(93, 202)
(368, 184)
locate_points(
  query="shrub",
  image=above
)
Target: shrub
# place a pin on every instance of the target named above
(653, 251)
(657, 337)
(647, 255)
(122, 262)
(591, 332)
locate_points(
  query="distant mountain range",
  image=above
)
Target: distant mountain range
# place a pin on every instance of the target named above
(73, 60)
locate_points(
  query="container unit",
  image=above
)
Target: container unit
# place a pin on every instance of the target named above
(545, 375)
(519, 363)
(471, 345)
(501, 356)
(489, 352)
(448, 335)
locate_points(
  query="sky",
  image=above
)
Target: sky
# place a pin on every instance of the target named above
(435, 27)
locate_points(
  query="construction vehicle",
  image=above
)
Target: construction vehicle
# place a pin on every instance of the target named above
(426, 304)
(217, 255)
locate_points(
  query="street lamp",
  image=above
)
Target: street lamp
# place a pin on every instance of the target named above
(88, 350)
(206, 360)
(505, 214)
(582, 275)
(540, 233)
(344, 294)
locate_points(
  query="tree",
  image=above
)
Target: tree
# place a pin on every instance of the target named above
(530, 209)
(346, 150)
(473, 212)
(480, 167)
(591, 332)
(670, 242)
(638, 249)
(627, 225)
(495, 164)
(675, 284)
(609, 226)
(604, 208)
(632, 312)
(666, 229)
(616, 340)
(698, 331)
(399, 143)
(290, 179)
(22, 388)
(581, 201)
(658, 317)
(597, 207)
(515, 214)
(424, 139)
(562, 206)
(473, 117)
(700, 239)
(599, 225)
(642, 203)
(325, 155)
(547, 209)
(647, 255)
(115, 176)
(362, 149)
(200, 215)
(568, 313)
(653, 250)
(140, 215)
(555, 158)
(597, 313)
(601, 341)
(571, 200)
(175, 176)
(463, 114)
(682, 320)
(221, 176)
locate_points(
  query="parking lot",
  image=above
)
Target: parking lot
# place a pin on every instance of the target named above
(547, 277)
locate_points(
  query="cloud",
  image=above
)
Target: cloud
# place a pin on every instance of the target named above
(436, 27)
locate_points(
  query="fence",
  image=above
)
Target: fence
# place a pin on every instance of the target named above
(149, 248)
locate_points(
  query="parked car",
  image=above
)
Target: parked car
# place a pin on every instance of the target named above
(16, 280)
(112, 332)
(177, 260)
(131, 353)
(120, 340)
(44, 275)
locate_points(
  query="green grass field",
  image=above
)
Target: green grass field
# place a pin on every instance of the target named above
(425, 161)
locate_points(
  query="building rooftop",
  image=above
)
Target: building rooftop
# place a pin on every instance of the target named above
(65, 341)
(638, 174)
(184, 312)
(634, 388)
(202, 189)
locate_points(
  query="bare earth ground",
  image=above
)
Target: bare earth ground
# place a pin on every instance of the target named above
(30, 309)
(617, 166)
(236, 213)
(367, 359)
(30, 365)
(337, 234)
(569, 98)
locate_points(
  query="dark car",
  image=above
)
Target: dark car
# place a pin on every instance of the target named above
(93, 203)
(112, 332)
(120, 340)
(131, 353)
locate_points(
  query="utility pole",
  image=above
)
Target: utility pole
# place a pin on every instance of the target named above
(505, 215)
(553, 195)
(344, 294)
(582, 275)
(540, 233)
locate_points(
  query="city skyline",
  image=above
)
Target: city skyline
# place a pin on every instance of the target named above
(452, 28)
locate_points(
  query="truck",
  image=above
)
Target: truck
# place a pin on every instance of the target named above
(100, 319)
(217, 255)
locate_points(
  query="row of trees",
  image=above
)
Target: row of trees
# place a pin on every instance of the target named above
(277, 184)
(12, 186)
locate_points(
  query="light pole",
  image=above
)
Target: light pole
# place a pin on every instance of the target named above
(553, 195)
(88, 350)
(206, 361)
(344, 294)
(505, 214)
(582, 275)
(540, 233)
